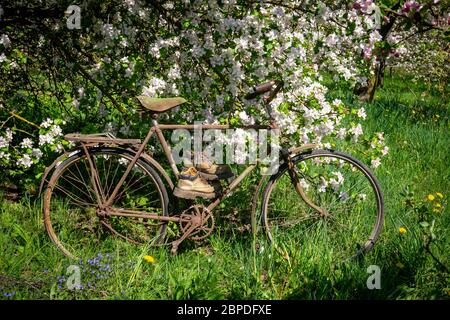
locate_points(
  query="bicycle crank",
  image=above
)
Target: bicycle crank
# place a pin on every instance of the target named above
(200, 217)
(196, 223)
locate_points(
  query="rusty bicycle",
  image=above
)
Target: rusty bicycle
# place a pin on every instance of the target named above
(115, 185)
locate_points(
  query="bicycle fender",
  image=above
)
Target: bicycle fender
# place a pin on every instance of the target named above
(152, 162)
(255, 204)
(297, 150)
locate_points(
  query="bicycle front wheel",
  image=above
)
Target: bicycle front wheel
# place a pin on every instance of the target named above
(73, 216)
(336, 210)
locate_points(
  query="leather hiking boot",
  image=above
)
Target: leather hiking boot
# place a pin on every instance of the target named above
(192, 185)
(209, 170)
(216, 172)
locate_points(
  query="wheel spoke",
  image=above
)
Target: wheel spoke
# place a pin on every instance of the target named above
(74, 220)
(333, 186)
(66, 178)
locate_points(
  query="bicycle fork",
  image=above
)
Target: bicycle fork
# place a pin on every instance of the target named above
(298, 187)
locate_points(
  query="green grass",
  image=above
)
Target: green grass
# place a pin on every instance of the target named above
(232, 264)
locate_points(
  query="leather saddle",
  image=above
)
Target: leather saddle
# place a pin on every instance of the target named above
(158, 105)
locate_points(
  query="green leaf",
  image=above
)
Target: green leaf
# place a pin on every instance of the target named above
(142, 201)
(351, 28)
(424, 224)
(186, 24)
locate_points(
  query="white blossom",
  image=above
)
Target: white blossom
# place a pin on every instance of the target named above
(37, 153)
(362, 113)
(25, 161)
(322, 185)
(244, 116)
(174, 73)
(56, 131)
(380, 136)
(375, 163)
(4, 155)
(337, 181)
(128, 72)
(156, 86)
(356, 131)
(46, 139)
(47, 123)
(27, 143)
(59, 148)
(341, 133)
(305, 185)
(9, 135)
(4, 143)
(4, 40)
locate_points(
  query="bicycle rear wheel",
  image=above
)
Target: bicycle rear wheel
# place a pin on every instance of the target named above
(346, 214)
(73, 217)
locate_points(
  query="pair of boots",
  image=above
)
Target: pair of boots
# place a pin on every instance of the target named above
(194, 181)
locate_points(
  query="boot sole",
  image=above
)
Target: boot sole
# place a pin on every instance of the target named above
(180, 193)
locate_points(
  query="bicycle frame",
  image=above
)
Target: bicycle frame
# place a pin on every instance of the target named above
(104, 202)
(157, 129)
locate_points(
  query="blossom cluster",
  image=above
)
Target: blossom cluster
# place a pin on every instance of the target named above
(213, 53)
(24, 154)
(219, 54)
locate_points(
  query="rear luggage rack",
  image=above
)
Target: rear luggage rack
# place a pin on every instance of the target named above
(108, 138)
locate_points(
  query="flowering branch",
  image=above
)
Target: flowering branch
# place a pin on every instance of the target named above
(23, 119)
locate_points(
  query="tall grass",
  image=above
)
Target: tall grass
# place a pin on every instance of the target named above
(232, 264)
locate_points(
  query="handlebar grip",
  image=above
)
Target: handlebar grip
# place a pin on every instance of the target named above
(262, 88)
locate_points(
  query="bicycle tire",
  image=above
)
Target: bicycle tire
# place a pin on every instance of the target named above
(376, 221)
(105, 152)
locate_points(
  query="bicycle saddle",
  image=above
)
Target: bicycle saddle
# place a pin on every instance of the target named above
(160, 104)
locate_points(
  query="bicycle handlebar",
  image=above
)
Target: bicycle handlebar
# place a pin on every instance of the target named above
(263, 88)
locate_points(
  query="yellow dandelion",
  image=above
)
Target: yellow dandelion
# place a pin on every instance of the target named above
(436, 210)
(438, 205)
(149, 259)
(430, 197)
(440, 195)
(402, 230)
(400, 265)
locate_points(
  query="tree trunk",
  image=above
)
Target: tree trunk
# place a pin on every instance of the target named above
(367, 93)
(375, 81)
